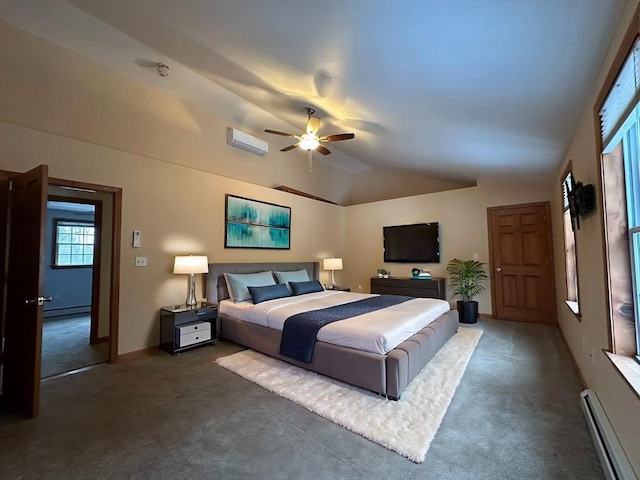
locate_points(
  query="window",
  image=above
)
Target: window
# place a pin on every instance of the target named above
(619, 114)
(569, 245)
(73, 243)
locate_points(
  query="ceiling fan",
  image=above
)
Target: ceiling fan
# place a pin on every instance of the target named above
(309, 140)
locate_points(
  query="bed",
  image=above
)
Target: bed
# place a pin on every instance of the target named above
(387, 374)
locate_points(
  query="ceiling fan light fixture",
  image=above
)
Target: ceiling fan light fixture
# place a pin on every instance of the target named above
(308, 141)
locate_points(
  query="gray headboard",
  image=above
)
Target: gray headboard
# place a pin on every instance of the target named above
(216, 288)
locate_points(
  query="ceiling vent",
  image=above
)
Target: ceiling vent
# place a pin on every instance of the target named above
(247, 142)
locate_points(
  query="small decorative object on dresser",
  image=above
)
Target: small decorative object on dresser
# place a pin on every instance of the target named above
(383, 273)
(183, 327)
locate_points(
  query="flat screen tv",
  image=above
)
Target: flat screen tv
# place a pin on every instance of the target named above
(418, 243)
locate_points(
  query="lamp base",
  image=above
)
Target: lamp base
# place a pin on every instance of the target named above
(191, 299)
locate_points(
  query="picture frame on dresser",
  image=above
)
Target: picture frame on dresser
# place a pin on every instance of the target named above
(255, 224)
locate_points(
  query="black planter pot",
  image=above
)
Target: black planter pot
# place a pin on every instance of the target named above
(468, 311)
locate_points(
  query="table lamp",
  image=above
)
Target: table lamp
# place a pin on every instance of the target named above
(191, 264)
(332, 264)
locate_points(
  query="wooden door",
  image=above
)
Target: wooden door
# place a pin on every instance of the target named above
(23, 329)
(521, 261)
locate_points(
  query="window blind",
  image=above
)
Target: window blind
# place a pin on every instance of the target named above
(623, 97)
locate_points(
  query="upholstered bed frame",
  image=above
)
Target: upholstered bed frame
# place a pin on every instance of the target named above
(387, 375)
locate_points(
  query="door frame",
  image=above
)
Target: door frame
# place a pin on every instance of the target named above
(549, 237)
(116, 228)
(114, 297)
(95, 268)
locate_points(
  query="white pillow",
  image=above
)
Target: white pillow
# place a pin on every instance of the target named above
(237, 284)
(295, 276)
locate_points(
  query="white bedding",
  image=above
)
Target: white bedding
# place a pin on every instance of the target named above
(376, 332)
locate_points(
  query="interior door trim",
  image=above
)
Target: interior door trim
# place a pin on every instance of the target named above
(549, 238)
(114, 302)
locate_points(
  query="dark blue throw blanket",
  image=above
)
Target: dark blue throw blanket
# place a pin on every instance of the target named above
(299, 331)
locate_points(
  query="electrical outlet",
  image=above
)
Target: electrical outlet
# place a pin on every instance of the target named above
(141, 261)
(359, 288)
(476, 256)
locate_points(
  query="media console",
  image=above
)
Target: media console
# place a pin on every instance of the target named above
(413, 287)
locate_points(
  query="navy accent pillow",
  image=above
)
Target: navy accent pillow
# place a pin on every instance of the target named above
(269, 292)
(300, 288)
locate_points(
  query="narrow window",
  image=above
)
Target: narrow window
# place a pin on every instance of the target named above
(570, 245)
(619, 115)
(73, 243)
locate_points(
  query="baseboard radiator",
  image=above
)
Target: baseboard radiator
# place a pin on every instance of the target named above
(612, 457)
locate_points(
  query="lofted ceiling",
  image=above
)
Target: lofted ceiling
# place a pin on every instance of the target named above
(450, 89)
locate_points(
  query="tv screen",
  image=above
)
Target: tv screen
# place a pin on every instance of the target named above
(417, 243)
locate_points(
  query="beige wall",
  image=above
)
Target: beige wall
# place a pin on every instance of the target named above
(462, 215)
(375, 185)
(587, 338)
(179, 210)
(49, 88)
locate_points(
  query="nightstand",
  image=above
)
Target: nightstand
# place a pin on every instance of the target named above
(183, 327)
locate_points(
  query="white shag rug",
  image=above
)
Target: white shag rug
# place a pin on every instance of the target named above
(407, 426)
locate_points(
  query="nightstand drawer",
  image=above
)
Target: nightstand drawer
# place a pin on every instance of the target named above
(193, 338)
(192, 328)
(192, 333)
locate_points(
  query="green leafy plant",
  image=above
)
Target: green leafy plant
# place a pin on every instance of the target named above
(466, 277)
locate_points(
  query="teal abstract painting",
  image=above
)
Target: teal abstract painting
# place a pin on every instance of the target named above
(253, 224)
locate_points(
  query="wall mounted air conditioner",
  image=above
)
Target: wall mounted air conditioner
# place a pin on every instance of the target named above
(247, 142)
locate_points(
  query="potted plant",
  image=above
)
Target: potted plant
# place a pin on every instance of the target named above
(466, 277)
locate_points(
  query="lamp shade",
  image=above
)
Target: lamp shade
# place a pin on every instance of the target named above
(191, 264)
(332, 264)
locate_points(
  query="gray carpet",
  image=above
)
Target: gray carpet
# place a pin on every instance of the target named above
(65, 345)
(515, 415)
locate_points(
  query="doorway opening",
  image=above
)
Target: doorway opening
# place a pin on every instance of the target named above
(73, 336)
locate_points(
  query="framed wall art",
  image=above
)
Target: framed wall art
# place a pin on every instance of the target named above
(254, 224)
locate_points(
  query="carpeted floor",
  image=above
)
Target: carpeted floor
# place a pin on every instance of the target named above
(406, 426)
(515, 415)
(65, 345)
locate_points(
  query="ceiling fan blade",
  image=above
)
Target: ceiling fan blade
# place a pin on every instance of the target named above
(313, 125)
(275, 132)
(338, 137)
(323, 150)
(290, 147)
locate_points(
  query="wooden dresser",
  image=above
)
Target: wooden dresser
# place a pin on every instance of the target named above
(413, 287)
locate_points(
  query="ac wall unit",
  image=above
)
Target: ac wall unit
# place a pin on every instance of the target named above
(244, 141)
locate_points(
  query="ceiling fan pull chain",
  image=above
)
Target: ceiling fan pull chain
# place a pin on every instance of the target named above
(310, 160)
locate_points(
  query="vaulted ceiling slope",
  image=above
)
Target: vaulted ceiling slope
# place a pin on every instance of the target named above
(454, 90)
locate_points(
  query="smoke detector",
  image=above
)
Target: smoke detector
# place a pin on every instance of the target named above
(162, 69)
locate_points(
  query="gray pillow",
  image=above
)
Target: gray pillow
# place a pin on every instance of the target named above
(237, 284)
(294, 276)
